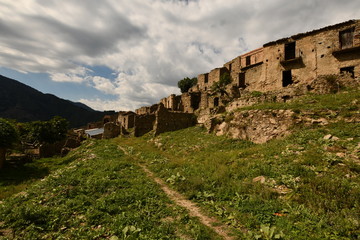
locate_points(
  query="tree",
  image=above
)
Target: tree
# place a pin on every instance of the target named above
(39, 132)
(220, 86)
(186, 83)
(8, 136)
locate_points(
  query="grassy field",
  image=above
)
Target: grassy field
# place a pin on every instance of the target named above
(305, 186)
(301, 187)
(101, 194)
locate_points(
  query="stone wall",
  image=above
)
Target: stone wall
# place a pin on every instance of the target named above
(146, 110)
(111, 130)
(190, 102)
(171, 121)
(143, 124)
(172, 102)
(126, 120)
(234, 68)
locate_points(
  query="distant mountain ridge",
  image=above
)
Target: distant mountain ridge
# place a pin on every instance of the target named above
(23, 103)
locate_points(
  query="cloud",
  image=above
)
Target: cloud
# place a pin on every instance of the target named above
(148, 45)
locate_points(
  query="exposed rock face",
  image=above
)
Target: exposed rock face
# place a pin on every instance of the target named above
(111, 130)
(257, 126)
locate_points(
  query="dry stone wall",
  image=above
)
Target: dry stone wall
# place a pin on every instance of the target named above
(171, 121)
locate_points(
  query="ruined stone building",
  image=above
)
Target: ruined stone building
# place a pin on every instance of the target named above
(287, 67)
(300, 58)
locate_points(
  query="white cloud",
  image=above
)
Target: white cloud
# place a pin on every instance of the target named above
(150, 45)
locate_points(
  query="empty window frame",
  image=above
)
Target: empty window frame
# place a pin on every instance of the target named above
(242, 80)
(346, 38)
(206, 79)
(290, 51)
(286, 78)
(248, 60)
(348, 70)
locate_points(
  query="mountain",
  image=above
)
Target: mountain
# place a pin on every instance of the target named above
(23, 103)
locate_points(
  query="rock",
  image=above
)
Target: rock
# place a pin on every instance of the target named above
(260, 179)
(327, 137)
(335, 138)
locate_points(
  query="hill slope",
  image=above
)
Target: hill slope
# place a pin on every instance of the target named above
(23, 103)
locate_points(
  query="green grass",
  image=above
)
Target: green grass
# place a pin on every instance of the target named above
(102, 194)
(342, 101)
(16, 177)
(308, 187)
(322, 199)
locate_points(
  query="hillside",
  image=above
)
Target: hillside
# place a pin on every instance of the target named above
(303, 186)
(23, 103)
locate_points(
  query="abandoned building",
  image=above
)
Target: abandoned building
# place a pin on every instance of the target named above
(290, 63)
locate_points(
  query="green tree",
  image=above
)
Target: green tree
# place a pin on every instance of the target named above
(220, 86)
(186, 83)
(8, 136)
(38, 132)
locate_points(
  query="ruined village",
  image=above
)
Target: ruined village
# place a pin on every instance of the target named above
(321, 61)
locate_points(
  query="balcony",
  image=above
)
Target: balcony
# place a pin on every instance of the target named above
(292, 59)
(353, 52)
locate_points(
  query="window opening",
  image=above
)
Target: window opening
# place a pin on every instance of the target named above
(248, 60)
(242, 80)
(346, 38)
(347, 70)
(290, 50)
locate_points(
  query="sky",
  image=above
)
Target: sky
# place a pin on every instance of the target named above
(124, 54)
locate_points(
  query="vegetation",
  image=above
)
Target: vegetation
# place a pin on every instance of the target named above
(44, 131)
(301, 187)
(187, 83)
(305, 186)
(8, 136)
(100, 194)
(219, 87)
(345, 102)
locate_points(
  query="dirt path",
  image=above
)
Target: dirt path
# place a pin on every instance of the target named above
(180, 200)
(190, 206)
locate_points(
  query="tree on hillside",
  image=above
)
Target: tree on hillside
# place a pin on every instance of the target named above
(186, 83)
(8, 136)
(39, 132)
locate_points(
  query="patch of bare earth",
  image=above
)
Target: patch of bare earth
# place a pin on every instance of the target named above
(190, 206)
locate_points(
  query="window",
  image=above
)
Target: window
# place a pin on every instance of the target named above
(248, 60)
(242, 80)
(346, 38)
(216, 102)
(290, 50)
(347, 70)
(206, 78)
(230, 66)
(287, 78)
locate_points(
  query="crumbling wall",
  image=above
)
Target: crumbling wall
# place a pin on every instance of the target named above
(215, 74)
(111, 130)
(146, 110)
(171, 102)
(190, 102)
(171, 121)
(143, 124)
(126, 119)
(234, 68)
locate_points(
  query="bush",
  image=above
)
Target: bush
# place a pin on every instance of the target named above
(8, 136)
(187, 83)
